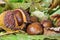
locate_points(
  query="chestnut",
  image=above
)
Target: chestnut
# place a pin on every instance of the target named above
(34, 19)
(55, 3)
(55, 16)
(57, 24)
(18, 16)
(34, 28)
(46, 23)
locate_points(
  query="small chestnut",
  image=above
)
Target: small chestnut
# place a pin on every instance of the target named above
(35, 28)
(34, 19)
(46, 23)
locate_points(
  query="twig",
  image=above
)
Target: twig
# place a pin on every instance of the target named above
(1, 34)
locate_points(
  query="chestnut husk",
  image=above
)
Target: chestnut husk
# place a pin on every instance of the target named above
(16, 24)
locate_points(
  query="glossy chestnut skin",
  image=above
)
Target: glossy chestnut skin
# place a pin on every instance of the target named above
(46, 23)
(34, 28)
(26, 15)
(19, 17)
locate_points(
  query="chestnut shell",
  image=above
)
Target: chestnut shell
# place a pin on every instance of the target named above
(9, 19)
(15, 18)
(27, 16)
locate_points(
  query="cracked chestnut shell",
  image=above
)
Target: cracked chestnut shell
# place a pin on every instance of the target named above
(35, 28)
(12, 20)
(9, 19)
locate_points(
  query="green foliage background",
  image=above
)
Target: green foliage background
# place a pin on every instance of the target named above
(21, 36)
(22, 3)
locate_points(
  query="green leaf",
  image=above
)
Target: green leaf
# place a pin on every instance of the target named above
(20, 5)
(33, 1)
(56, 36)
(57, 12)
(37, 6)
(37, 0)
(10, 37)
(46, 3)
(28, 1)
(16, 1)
(1, 10)
(52, 11)
(40, 15)
(19, 36)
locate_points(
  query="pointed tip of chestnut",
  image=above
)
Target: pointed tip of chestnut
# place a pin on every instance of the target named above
(34, 28)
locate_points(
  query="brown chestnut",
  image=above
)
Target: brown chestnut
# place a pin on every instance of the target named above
(34, 19)
(57, 24)
(35, 28)
(18, 16)
(55, 16)
(46, 23)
